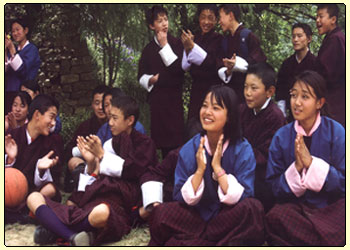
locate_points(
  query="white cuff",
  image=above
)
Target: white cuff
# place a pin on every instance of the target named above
(185, 64)
(9, 165)
(16, 62)
(188, 194)
(234, 191)
(282, 105)
(152, 191)
(167, 54)
(241, 65)
(294, 180)
(197, 55)
(316, 175)
(144, 82)
(38, 181)
(85, 180)
(222, 75)
(76, 152)
(111, 165)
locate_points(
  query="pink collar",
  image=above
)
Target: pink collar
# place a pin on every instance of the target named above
(207, 147)
(299, 129)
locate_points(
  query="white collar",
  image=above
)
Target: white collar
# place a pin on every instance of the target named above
(156, 40)
(29, 139)
(263, 107)
(27, 42)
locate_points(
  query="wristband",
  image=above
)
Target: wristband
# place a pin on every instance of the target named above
(217, 176)
(93, 175)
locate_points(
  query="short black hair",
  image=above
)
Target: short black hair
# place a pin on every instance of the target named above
(114, 92)
(32, 85)
(332, 9)
(207, 6)
(265, 72)
(152, 13)
(24, 22)
(100, 89)
(128, 106)
(306, 28)
(24, 96)
(234, 8)
(42, 103)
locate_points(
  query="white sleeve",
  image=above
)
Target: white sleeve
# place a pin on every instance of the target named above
(38, 181)
(167, 54)
(234, 191)
(76, 152)
(241, 65)
(185, 64)
(152, 191)
(16, 62)
(222, 75)
(85, 180)
(144, 82)
(197, 55)
(111, 164)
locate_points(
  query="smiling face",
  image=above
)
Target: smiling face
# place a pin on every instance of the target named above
(225, 20)
(304, 104)
(97, 106)
(213, 117)
(207, 20)
(255, 93)
(160, 24)
(299, 39)
(47, 120)
(19, 109)
(324, 23)
(19, 33)
(107, 105)
(118, 123)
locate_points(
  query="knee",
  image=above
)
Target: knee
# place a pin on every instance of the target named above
(35, 200)
(74, 162)
(48, 190)
(99, 216)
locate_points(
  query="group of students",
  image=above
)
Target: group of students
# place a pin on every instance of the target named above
(243, 177)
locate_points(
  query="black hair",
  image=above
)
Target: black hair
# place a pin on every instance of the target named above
(152, 13)
(315, 81)
(207, 6)
(24, 22)
(128, 106)
(265, 72)
(100, 89)
(234, 8)
(332, 9)
(306, 28)
(42, 103)
(32, 85)
(114, 92)
(227, 98)
(25, 98)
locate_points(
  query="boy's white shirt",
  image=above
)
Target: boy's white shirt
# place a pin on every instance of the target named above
(168, 57)
(111, 165)
(263, 106)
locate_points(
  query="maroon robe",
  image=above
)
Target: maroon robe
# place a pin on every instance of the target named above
(259, 130)
(255, 52)
(90, 126)
(204, 75)
(120, 194)
(28, 156)
(289, 69)
(165, 99)
(331, 64)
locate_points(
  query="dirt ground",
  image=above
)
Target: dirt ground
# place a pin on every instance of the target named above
(22, 235)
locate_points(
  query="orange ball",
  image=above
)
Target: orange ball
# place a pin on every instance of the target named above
(16, 187)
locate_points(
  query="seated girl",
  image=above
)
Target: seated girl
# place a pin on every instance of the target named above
(214, 180)
(19, 111)
(306, 171)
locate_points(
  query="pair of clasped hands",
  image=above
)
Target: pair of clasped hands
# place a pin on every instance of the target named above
(303, 158)
(92, 151)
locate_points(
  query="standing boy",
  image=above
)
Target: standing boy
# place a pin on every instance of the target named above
(35, 152)
(260, 119)
(331, 58)
(160, 73)
(109, 187)
(240, 48)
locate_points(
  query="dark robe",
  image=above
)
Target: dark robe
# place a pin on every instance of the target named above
(120, 194)
(90, 126)
(289, 69)
(28, 156)
(205, 75)
(259, 130)
(234, 46)
(165, 99)
(331, 64)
